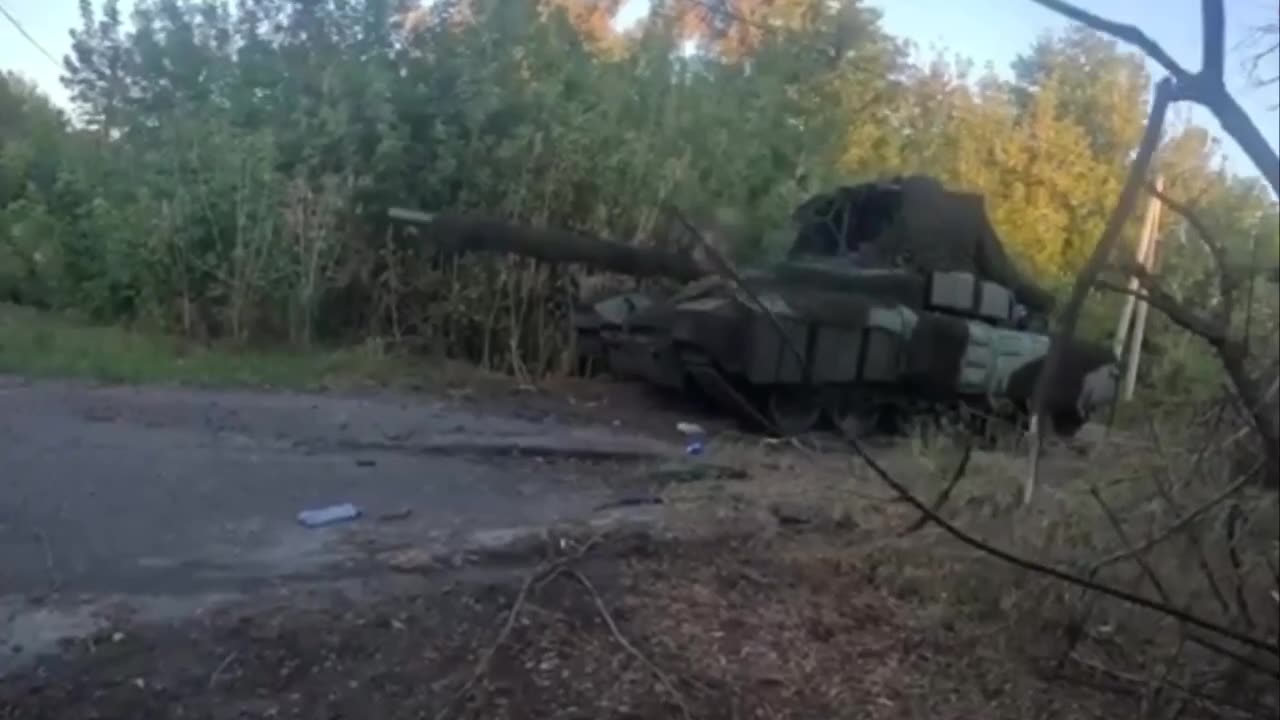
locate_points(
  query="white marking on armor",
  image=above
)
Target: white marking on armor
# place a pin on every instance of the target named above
(776, 304)
(710, 303)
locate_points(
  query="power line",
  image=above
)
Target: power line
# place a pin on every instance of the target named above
(30, 39)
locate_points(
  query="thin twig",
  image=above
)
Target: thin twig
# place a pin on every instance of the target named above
(1166, 494)
(483, 665)
(626, 644)
(943, 496)
(217, 673)
(1165, 596)
(1235, 517)
(1176, 525)
(1156, 296)
(1129, 683)
(55, 581)
(1042, 569)
(541, 574)
(1138, 556)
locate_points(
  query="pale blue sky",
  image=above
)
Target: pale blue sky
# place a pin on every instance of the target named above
(986, 31)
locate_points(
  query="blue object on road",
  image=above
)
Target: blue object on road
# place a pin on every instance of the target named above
(320, 517)
(694, 448)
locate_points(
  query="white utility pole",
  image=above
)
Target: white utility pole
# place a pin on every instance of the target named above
(1149, 223)
(1147, 259)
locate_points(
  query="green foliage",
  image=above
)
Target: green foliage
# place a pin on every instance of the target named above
(65, 345)
(230, 168)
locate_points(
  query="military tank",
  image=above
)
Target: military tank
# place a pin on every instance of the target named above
(895, 304)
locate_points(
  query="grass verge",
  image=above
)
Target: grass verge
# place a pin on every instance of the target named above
(42, 344)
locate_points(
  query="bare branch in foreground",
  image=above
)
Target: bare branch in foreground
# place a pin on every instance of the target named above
(943, 496)
(1162, 300)
(1042, 569)
(1126, 33)
(1162, 591)
(1226, 283)
(1213, 20)
(1205, 87)
(626, 644)
(931, 515)
(1098, 259)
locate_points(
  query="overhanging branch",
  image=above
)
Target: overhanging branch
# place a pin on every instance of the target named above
(1162, 300)
(1213, 38)
(1205, 87)
(1102, 252)
(1226, 283)
(1127, 33)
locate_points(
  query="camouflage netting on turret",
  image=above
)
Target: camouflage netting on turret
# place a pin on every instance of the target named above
(915, 222)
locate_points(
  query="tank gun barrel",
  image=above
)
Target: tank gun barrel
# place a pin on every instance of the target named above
(457, 232)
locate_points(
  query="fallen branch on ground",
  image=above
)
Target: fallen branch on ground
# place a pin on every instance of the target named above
(541, 574)
(626, 644)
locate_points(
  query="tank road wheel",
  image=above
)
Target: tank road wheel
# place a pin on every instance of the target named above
(793, 409)
(927, 429)
(855, 417)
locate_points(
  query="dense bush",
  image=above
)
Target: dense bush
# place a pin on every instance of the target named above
(228, 172)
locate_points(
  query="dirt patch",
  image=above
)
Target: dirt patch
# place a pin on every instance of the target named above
(763, 629)
(602, 401)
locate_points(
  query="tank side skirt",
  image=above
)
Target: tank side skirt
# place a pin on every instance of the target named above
(977, 409)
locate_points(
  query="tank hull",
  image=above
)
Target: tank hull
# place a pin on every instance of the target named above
(842, 355)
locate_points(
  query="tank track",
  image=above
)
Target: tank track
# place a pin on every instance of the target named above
(984, 427)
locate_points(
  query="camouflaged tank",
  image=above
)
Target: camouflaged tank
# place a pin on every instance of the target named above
(898, 304)
(865, 349)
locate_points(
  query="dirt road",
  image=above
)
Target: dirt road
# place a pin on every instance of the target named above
(166, 500)
(151, 565)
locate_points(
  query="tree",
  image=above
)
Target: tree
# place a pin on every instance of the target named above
(1096, 86)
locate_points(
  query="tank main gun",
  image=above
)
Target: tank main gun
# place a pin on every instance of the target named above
(911, 222)
(458, 233)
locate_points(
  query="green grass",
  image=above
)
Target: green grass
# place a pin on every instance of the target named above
(40, 344)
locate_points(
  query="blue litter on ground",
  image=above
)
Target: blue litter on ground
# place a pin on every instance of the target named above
(320, 517)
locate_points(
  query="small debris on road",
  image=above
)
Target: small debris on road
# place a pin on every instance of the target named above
(320, 517)
(412, 560)
(689, 429)
(394, 515)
